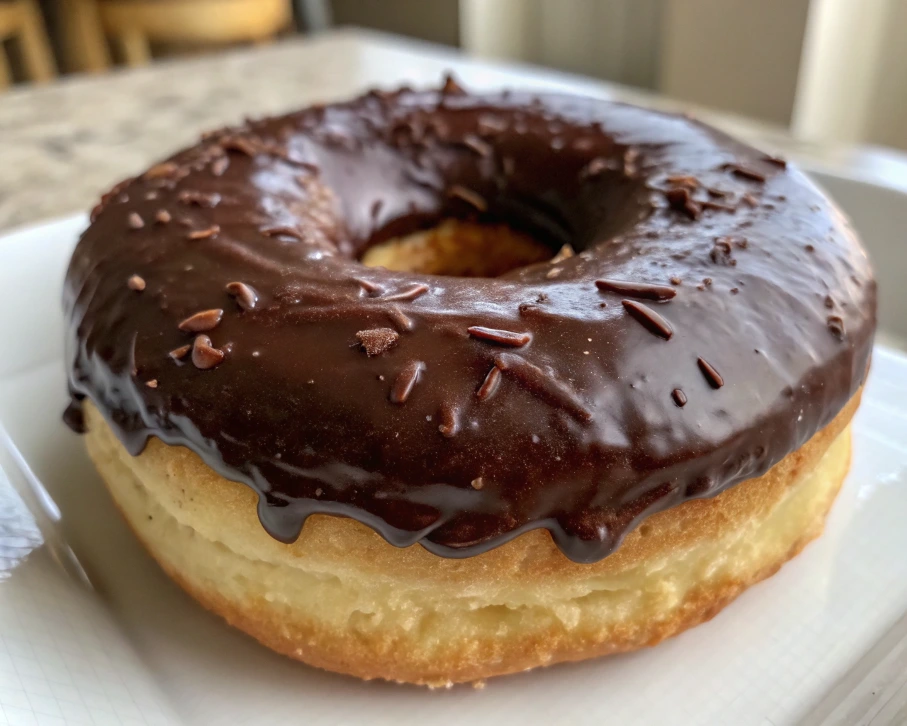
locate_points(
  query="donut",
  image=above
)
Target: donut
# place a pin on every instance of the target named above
(433, 386)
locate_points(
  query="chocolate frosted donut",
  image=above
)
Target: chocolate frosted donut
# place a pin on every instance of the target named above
(710, 316)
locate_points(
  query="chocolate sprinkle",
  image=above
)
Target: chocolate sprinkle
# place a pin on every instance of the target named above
(564, 253)
(136, 283)
(594, 168)
(474, 199)
(649, 318)
(206, 233)
(721, 252)
(504, 337)
(416, 291)
(680, 199)
(836, 326)
(399, 318)
(163, 170)
(716, 206)
(377, 340)
(245, 295)
(475, 144)
(199, 199)
(240, 144)
(490, 384)
(406, 381)
(283, 231)
(531, 310)
(370, 287)
(644, 290)
(220, 165)
(543, 384)
(680, 398)
(745, 172)
(205, 355)
(450, 421)
(490, 125)
(684, 180)
(451, 87)
(711, 375)
(180, 353)
(202, 322)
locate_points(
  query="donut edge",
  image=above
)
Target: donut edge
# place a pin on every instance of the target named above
(523, 561)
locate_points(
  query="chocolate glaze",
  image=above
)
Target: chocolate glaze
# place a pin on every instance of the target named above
(595, 420)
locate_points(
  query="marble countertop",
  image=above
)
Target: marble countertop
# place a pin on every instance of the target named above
(62, 145)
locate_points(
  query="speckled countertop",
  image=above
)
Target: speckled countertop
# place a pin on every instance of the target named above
(62, 145)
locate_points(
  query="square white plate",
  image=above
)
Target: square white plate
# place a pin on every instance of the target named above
(137, 650)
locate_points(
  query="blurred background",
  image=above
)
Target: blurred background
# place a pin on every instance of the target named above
(825, 70)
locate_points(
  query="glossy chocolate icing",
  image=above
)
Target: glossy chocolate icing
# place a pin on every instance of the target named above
(732, 318)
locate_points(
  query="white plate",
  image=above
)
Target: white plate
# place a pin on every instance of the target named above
(137, 650)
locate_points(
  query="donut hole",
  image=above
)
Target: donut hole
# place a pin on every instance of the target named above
(459, 248)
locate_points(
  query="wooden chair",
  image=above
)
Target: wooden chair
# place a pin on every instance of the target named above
(132, 25)
(21, 20)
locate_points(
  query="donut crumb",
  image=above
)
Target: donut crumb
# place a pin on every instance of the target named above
(377, 340)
